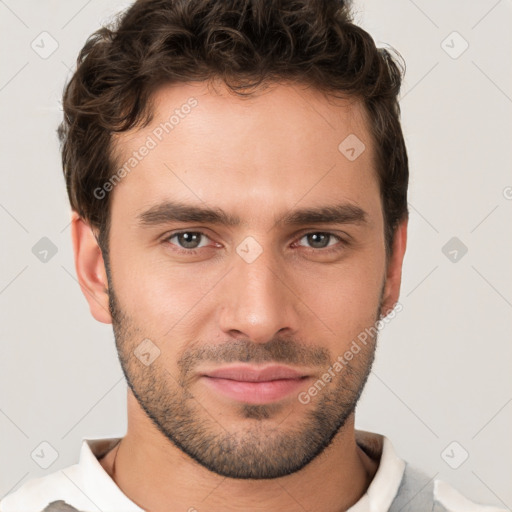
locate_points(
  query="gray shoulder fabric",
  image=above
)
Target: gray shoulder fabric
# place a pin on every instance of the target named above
(59, 506)
(416, 493)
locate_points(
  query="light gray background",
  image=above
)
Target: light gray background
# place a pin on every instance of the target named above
(443, 369)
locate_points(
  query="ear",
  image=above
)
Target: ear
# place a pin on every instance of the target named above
(90, 269)
(394, 269)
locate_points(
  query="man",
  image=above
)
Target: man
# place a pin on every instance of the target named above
(238, 179)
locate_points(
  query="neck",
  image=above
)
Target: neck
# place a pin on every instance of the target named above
(157, 476)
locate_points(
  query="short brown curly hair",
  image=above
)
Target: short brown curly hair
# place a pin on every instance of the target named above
(246, 44)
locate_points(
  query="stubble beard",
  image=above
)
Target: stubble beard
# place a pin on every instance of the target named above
(259, 446)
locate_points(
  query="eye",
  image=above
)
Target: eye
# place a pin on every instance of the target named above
(188, 239)
(321, 240)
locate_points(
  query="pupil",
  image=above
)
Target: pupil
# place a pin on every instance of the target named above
(318, 240)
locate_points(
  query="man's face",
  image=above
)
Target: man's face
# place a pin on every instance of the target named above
(270, 297)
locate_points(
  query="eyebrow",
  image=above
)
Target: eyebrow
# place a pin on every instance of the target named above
(344, 213)
(171, 211)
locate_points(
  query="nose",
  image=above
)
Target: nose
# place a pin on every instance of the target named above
(258, 300)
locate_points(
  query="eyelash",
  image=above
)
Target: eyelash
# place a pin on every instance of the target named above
(325, 250)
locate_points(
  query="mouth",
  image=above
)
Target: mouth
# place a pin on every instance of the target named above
(255, 385)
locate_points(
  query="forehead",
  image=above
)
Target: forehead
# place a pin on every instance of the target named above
(286, 144)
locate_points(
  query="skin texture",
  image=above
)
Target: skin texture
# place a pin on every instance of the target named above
(298, 303)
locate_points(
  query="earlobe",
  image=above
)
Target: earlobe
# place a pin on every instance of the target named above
(90, 269)
(394, 269)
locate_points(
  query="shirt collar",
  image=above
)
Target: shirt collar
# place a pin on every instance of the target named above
(383, 488)
(377, 498)
(110, 498)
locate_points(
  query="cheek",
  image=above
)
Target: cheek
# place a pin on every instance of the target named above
(163, 298)
(345, 298)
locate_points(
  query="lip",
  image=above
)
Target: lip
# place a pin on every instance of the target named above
(255, 374)
(255, 385)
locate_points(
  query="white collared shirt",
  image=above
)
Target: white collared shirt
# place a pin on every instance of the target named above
(87, 487)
